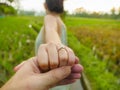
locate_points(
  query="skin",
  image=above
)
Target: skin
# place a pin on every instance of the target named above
(29, 76)
(54, 58)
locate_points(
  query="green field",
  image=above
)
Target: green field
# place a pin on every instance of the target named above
(17, 44)
(102, 36)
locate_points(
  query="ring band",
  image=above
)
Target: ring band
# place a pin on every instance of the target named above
(65, 52)
(61, 48)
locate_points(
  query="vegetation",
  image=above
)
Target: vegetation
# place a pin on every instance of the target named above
(95, 69)
(81, 12)
(102, 36)
(17, 44)
(6, 9)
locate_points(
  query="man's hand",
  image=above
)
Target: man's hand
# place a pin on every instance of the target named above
(29, 77)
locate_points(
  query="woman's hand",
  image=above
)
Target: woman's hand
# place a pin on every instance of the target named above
(54, 56)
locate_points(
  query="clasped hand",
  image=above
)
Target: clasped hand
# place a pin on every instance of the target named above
(54, 65)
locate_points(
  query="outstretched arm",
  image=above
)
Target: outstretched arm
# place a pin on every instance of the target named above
(51, 29)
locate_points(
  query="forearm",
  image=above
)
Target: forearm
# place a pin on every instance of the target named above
(52, 37)
(7, 86)
(51, 30)
(13, 84)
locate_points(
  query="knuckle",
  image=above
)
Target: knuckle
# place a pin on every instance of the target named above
(71, 51)
(51, 43)
(53, 65)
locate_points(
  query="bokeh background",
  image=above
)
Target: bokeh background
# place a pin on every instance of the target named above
(93, 33)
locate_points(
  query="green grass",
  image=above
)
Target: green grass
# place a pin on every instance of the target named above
(102, 36)
(17, 44)
(77, 21)
(94, 68)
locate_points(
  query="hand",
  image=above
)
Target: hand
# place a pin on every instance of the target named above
(47, 54)
(29, 77)
(54, 56)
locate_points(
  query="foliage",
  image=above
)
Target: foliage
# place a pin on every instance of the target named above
(10, 1)
(94, 68)
(102, 36)
(63, 15)
(6, 1)
(16, 43)
(6, 10)
(26, 13)
(81, 12)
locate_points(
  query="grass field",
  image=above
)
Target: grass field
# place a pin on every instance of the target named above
(102, 36)
(17, 44)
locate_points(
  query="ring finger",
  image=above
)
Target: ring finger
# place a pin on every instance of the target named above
(62, 55)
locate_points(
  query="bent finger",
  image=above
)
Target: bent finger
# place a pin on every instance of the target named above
(62, 55)
(77, 68)
(42, 57)
(16, 68)
(52, 55)
(71, 56)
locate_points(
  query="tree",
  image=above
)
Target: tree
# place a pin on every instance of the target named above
(9, 2)
(119, 11)
(6, 7)
(113, 10)
(5, 1)
(79, 10)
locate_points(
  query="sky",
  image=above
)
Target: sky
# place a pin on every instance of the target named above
(71, 5)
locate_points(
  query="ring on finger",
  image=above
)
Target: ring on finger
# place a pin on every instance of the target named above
(62, 47)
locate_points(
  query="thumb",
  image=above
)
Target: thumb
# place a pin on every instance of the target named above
(53, 77)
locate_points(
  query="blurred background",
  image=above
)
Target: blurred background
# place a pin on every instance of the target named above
(93, 33)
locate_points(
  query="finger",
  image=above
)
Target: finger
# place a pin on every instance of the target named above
(62, 55)
(52, 55)
(76, 60)
(54, 76)
(43, 58)
(74, 76)
(16, 68)
(71, 56)
(77, 68)
(67, 81)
